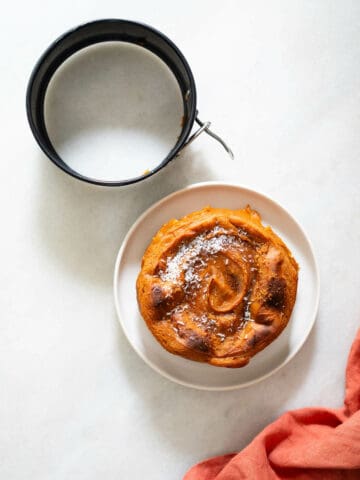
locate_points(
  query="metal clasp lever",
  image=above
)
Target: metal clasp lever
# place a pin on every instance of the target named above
(204, 127)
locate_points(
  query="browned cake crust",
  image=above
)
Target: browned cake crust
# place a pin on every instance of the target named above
(217, 286)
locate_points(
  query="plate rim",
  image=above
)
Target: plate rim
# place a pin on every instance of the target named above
(159, 203)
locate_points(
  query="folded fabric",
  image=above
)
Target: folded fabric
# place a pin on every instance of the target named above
(309, 443)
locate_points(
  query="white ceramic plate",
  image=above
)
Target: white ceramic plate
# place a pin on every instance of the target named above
(187, 372)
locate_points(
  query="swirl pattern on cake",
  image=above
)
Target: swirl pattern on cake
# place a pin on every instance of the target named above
(217, 286)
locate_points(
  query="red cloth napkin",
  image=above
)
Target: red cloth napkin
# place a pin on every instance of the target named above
(309, 443)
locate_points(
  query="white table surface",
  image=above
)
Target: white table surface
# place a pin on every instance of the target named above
(280, 81)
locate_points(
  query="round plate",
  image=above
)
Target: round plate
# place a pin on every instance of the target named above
(200, 375)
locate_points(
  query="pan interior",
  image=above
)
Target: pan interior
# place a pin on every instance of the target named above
(113, 111)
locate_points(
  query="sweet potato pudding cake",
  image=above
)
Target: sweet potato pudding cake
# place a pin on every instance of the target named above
(217, 286)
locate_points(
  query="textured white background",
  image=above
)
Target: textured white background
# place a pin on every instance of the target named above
(280, 80)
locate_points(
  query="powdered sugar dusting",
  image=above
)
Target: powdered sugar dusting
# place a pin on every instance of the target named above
(188, 256)
(189, 268)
